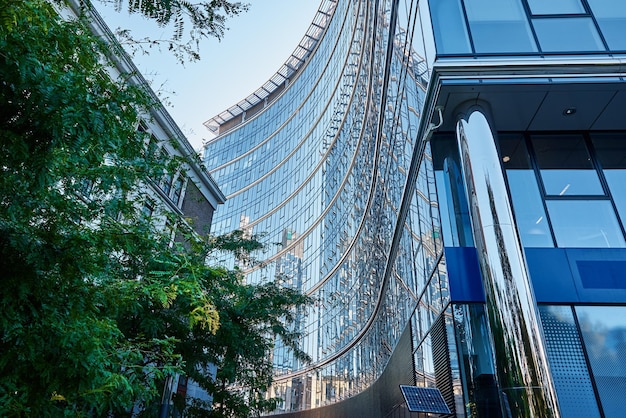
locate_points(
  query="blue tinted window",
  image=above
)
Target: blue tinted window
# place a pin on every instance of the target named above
(454, 212)
(567, 34)
(530, 217)
(612, 157)
(611, 16)
(555, 7)
(499, 26)
(567, 182)
(449, 26)
(585, 224)
(604, 333)
(565, 165)
(616, 180)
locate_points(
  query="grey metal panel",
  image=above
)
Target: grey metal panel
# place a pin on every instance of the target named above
(612, 117)
(589, 104)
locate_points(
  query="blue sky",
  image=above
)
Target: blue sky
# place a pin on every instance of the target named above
(253, 48)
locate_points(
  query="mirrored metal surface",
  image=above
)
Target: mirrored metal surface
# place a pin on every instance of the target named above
(521, 362)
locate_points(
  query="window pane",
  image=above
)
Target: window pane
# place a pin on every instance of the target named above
(611, 152)
(565, 165)
(530, 217)
(555, 7)
(449, 26)
(611, 16)
(453, 209)
(567, 34)
(604, 333)
(499, 26)
(585, 224)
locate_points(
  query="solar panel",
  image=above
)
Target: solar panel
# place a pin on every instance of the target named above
(424, 400)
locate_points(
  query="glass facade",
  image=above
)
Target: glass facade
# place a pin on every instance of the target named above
(503, 263)
(322, 171)
(528, 27)
(564, 196)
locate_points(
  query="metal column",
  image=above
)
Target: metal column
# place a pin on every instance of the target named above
(521, 361)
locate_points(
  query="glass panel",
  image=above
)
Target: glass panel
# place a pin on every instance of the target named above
(604, 333)
(499, 26)
(611, 16)
(475, 356)
(585, 224)
(567, 34)
(565, 165)
(611, 152)
(453, 209)
(449, 26)
(530, 217)
(567, 363)
(555, 7)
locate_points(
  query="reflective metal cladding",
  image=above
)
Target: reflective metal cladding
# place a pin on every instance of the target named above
(522, 367)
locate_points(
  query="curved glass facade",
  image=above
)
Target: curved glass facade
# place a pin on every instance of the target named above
(322, 170)
(482, 252)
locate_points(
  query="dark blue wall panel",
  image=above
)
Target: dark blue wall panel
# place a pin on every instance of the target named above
(578, 275)
(464, 274)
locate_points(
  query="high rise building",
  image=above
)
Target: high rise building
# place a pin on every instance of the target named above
(452, 176)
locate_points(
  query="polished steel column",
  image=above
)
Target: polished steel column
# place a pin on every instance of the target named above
(521, 361)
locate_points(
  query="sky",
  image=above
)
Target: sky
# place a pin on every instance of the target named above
(252, 50)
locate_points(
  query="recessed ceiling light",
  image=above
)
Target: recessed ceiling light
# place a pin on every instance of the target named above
(569, 111)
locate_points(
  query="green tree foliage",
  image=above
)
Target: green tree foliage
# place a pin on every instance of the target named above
(251, 318)
(95, 309)
(189, 22)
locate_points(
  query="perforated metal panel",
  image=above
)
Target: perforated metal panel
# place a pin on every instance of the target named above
(424, 400)
(567, 363)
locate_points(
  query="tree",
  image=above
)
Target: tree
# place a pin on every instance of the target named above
(190, 23)
(252, 317)
(96, 309)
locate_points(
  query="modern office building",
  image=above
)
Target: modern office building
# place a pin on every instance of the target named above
(447, 178)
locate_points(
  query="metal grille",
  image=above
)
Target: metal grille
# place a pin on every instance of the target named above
(441, 360)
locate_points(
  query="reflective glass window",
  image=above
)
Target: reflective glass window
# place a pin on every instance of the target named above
(567, 34)
(449, 26)
(604, 333)
(611, 17)
(555, 7)
(565, 165)
(453, 208)
(530, 217)
(585, 224)
(499, 26)
(478, 375)
(611, 152)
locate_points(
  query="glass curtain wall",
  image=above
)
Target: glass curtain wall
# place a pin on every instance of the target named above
(322, 171)
(528, 27)
(567, 189)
